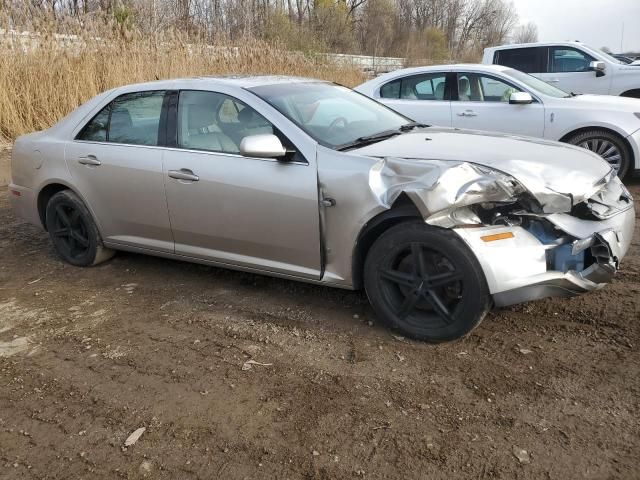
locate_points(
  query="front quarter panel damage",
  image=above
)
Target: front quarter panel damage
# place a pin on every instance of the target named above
(364, 187)
(441, 190)
(541, 259)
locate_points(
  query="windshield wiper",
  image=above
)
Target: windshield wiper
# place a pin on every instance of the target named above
(411, 125)
(377, 137)
(369, 139)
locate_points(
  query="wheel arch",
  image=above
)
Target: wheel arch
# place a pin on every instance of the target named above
(402, 210)
(624, 140)
(49, 190)
(633, 93)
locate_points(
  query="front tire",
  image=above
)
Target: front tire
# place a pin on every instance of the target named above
(73, 232)
(609, 146)
(425, 282)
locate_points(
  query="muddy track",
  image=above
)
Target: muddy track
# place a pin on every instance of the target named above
(93, 354)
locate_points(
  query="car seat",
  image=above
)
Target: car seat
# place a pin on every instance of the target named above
(203, 132)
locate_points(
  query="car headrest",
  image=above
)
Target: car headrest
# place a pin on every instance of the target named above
(439, 94)
(463, 85)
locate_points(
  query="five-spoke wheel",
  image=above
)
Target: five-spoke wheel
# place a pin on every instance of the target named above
(73, 232)
(425, 282)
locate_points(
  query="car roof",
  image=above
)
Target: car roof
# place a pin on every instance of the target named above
(535, 44)
(206, 82)
(439, 68)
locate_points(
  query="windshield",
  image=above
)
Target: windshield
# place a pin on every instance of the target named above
(536, 84)
(332, 115)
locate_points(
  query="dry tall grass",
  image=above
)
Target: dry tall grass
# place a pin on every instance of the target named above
(41, 81)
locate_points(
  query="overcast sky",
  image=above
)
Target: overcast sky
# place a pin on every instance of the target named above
(597, 23)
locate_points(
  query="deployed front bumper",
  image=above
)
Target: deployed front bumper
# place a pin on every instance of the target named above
(524, 267)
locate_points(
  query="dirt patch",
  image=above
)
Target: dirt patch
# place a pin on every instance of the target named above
(549, 389)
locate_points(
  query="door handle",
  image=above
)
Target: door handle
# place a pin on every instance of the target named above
(184, 174)
(468, 113)
(89, 160)
(554, 80)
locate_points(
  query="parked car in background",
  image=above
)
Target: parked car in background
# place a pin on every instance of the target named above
(501, 99)
(570, 66)
(623, 58)
(310, 181)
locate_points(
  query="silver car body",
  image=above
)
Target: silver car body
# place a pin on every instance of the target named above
(307, 220)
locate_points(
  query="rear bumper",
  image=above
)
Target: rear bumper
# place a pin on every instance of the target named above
(25, 203)
(519, 269)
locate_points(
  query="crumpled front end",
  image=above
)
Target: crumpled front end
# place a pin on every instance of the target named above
(530, 244)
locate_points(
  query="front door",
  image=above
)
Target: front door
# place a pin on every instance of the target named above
(254, 212)
(483, 104)
(569, 70)
(117, 168)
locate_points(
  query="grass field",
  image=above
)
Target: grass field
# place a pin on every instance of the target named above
(41, 84)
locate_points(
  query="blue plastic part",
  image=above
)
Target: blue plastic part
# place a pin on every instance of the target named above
(559, 258)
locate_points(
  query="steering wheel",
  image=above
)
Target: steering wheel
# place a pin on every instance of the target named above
(336, 121)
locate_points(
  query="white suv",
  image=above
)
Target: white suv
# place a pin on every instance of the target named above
(570, 66)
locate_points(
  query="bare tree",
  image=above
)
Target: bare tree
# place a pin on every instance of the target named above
(527, 33)
(418, 28)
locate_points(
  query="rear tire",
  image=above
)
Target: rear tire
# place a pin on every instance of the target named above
(609, 146)
(425, 282)
(73, 232)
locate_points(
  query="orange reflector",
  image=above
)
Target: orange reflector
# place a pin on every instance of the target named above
(497, 236)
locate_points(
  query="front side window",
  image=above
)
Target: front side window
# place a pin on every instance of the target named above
(474, 87)
(430, 86)
(569, 60)
(216, 122)
(133, 118)
(330, 114)
(528, 60)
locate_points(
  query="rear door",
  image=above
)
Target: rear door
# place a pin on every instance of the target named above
(531, 60)
(256, 213)
(424, 98)
(116, 165)
(483, 104)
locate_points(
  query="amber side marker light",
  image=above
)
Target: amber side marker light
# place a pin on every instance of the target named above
(497, 236)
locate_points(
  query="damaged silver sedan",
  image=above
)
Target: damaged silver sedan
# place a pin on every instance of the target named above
(310, 181)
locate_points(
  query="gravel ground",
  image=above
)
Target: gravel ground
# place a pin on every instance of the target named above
(549, 389)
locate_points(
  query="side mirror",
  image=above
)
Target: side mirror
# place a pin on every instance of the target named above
(520, 98)
(262, 146)
(597, 67)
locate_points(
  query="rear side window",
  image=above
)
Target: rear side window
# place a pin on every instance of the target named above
(527, 60)
(133, 118)
(429, 86)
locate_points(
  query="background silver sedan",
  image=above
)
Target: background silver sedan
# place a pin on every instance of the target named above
(311, 181)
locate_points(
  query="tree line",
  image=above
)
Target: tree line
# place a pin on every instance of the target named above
(436, 30)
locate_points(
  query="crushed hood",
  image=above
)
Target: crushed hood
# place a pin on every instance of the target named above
(557, 175)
